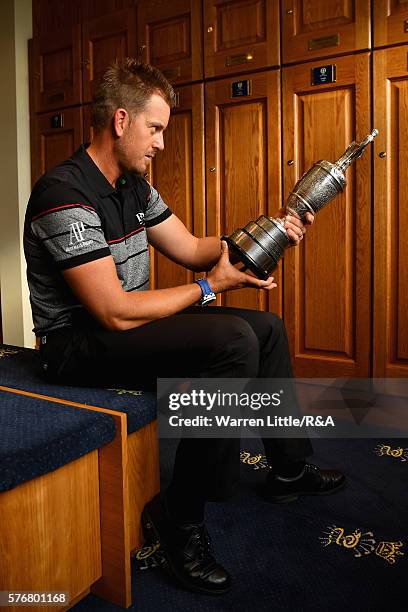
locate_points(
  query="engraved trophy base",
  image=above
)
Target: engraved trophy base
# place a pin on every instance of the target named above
(259, 245)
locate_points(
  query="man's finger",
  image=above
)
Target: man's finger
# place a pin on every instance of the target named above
(295, 237)
(296, 224)
(224, 250)
(257, 282)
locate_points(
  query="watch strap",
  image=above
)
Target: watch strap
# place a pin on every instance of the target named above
(208, 294)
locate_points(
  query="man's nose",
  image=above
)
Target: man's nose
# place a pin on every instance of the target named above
(158, 142)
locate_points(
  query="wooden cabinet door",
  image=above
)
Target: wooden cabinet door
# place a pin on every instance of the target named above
(391, 213)
(327, 278)
(99, 8)
(178, 174)
(243, 167)
(240, 35)
(390, 22)
(52, 145)
(50, 17)
(88, 129)
(57, 69)
(105, 39)
(170, 37)
(318, 28)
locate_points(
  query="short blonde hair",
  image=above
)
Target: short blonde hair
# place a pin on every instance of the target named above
(128, 84)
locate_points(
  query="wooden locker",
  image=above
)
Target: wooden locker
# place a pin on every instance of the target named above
(88, 129)
(178, 174)
(98, 8)
(243, 166)
(391, 213)
(170, 37)
(240, 35)
(57, 69)
(390, 22)
(105, 39)
(50, 16)
(57, 135)
(318, 28)
(327, 278)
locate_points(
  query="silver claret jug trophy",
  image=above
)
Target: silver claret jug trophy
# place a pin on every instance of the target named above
(261, 243)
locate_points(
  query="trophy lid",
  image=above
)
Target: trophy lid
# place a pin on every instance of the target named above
(354, 151)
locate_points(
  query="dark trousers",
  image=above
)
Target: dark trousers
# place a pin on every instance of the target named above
(215, 342)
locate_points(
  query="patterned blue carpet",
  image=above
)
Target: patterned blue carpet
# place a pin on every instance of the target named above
(348, 551)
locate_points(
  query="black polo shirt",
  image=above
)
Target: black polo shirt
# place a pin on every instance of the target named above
(74, 216)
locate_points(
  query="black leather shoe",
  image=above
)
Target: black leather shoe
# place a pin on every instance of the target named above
(312, 481)
(188, 550)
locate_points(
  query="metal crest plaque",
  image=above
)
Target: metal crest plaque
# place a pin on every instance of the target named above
(324, 74)
(240, 88)
(57, 121)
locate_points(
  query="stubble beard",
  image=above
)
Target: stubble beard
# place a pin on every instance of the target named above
(126, 163)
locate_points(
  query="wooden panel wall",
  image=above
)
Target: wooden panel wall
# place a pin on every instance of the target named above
(243, 165)
(170, 37)
(319, 28)
(178, 176)
(327, 279)
(391, 214)
(240, 35)
(106, 38)
(390, 22)
(56, 136)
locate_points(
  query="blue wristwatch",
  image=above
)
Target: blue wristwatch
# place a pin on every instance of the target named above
(208, 293)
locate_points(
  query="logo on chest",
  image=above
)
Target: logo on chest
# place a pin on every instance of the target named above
(140, 217)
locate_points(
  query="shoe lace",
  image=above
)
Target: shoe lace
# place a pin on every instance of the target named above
(311, 468)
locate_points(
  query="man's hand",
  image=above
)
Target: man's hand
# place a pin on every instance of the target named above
(225, 277)
(294, 226)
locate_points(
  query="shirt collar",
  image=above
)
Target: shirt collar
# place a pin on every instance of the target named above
(97, 178)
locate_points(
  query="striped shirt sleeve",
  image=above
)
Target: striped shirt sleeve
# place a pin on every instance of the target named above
(70, 230)
(156, 210)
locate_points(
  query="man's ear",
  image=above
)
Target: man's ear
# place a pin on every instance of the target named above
(120, 121)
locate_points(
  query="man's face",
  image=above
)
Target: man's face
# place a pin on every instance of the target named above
(142, 137)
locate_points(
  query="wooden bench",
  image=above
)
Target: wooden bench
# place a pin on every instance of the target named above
(50, 535)
(129, 466)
